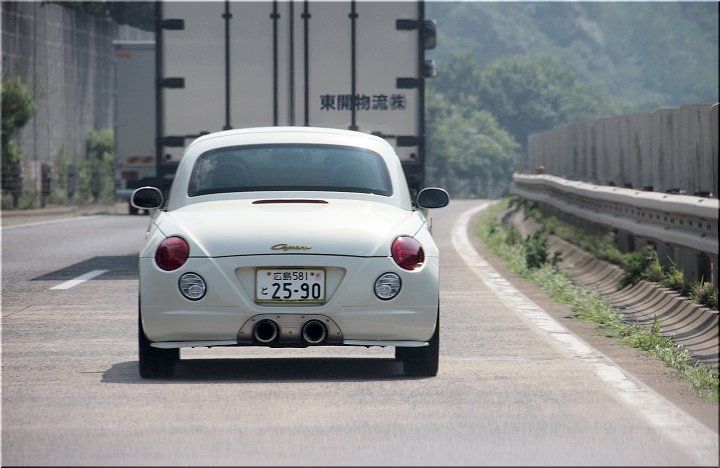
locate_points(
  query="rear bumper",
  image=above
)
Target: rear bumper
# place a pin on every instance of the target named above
(204, 344)
(229, 302)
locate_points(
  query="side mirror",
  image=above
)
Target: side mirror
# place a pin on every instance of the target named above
(146, 198)
(433, 197)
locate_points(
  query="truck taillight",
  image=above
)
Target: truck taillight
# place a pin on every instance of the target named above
(429, 34)
(129, 175)
(172, 253)
(407, 253)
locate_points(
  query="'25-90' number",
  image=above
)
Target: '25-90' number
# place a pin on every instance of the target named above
(284, 291)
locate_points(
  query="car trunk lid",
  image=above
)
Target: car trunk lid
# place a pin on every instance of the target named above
(290, 226)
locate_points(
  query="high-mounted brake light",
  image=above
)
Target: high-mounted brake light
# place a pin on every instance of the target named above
(172, 253)
(407, 253)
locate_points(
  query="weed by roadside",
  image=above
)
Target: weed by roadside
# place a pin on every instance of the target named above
(602, 246)
(642, 264)
(705, 293)
(674, 279)
(590, 307)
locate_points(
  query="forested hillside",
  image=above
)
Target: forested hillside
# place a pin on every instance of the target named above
(532, 66)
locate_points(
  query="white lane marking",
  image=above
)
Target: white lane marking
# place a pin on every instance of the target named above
(52, 221)
(80, 279)
(666, 417)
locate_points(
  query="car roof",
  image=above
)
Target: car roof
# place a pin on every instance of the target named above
(287, 135)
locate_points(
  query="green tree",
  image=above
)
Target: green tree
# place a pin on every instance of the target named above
(96, 169)
(17, 108)
(647, 54)
(459, 78)
(524, 94)
(468, 152)
(99, 143)
(533, 94)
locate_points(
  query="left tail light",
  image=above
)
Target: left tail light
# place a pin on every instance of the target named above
(172, 253)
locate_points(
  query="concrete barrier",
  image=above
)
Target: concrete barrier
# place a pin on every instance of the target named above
(713, 163)
(668, 150)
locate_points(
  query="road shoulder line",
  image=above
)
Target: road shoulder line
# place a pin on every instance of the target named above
(663, 415)
(50, 221)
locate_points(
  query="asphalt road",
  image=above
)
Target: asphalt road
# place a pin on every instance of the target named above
(507, 392)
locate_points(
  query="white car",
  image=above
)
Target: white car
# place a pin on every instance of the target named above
(289, 237)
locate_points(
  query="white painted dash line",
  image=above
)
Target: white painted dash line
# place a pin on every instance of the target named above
(80, 279)
(663, 415)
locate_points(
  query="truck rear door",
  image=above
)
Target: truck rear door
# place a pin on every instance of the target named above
(351, 65)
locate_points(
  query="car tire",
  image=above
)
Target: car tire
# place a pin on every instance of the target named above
(423, 361)
(154, 362)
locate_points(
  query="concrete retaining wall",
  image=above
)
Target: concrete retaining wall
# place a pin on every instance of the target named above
(65, 58)
(668, 150)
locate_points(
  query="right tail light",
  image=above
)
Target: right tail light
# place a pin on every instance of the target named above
(407, 253)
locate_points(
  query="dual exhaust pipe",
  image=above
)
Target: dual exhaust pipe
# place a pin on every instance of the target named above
(266, 331)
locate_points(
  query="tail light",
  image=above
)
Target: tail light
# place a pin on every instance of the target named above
(407, 253)
(172, 253)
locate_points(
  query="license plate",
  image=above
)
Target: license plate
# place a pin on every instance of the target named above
(295, 285)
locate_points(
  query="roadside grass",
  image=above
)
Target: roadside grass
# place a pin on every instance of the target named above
(521, 257)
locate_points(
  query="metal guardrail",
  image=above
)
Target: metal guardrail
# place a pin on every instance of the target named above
(681, 220)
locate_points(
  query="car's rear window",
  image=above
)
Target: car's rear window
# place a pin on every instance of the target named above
(289, 167)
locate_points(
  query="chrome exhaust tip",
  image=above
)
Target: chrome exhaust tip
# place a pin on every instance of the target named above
(314, 332)
(265, 331)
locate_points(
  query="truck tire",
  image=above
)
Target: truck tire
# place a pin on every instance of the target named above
(423, 361)
(154, 362)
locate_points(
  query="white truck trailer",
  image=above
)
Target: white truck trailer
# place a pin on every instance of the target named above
(347, 64)
(135, 116)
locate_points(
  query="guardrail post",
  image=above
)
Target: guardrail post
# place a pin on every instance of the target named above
(625, 240)
(665, 253)
(707, 268)
(686, 260)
